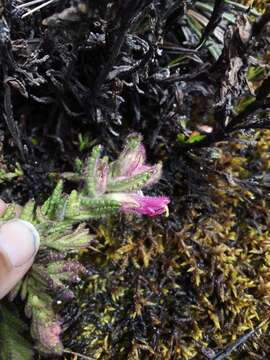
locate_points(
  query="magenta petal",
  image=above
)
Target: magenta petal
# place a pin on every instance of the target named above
(152, 205)
(140, 204)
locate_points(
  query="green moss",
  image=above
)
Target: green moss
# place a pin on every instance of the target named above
(157, 293)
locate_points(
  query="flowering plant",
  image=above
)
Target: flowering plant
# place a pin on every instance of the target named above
(108, 188)
(121, 182)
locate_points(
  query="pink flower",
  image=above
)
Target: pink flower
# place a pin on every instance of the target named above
(139, 204)
(49, 336)
(131, 163)
(118, 185)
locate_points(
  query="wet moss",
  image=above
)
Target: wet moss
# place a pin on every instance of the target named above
(196, 282)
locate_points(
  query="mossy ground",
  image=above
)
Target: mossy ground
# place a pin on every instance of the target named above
(197, 281)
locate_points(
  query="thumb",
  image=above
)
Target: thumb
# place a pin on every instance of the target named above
(19, 243)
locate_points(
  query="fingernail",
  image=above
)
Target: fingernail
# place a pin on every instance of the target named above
(19, 243)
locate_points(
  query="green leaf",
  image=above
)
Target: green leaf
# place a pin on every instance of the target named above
(52, 203)
(195, 138)
(181, 138)
(90, 181)
(72, 205)
(28, 211)
(132, 183)
(191, 140)
(77, 239)
(13, 346)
